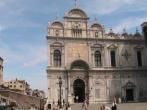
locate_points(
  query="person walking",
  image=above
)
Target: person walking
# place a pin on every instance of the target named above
(84, 106)
(107, 108)
(114, 106)
(68, 106)
(102, 107)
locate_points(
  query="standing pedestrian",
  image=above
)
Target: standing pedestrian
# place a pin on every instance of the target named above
(77, 98)
(53, 106)
(63, 103)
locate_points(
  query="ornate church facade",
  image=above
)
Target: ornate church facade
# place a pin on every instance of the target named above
(86, 63)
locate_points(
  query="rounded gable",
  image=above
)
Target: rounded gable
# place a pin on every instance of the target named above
(96, 25)
(76, 13)
(57, 24)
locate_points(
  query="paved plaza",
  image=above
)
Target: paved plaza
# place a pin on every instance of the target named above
(123, 106)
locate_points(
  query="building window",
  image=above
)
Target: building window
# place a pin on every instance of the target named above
(96, 34)
(57, 33)
(76, 30)
(97, 93)
(97, 56)
(57, 58)
(113, 60)
(139, 58)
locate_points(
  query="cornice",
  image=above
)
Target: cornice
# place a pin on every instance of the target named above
(97, 39)
(98, 70)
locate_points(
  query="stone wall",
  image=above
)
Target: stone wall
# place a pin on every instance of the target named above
(22, 100)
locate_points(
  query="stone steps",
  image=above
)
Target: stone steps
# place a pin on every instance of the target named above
(78, 106)
(122, 106)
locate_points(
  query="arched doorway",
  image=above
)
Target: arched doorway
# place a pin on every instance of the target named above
(79, 90)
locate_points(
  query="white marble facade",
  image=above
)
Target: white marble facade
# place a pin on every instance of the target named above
(95, 77)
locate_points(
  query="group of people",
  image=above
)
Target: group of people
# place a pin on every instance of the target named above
(57, 106)
(104, 107)
(62, 105)
(113, 107)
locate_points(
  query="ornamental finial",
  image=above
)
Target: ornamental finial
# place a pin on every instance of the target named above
(57, 16)
(96, 19)
(76, 4)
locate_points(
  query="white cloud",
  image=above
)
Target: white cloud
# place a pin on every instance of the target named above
(37, 55)
(109, 6)
(25, 54)
(1, 28)
(14, 13)
(2, 3)
(129, 23)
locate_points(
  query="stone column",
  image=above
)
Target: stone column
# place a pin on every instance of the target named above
(91, 89)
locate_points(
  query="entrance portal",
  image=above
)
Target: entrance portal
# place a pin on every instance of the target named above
(79, 90)
(129, 94)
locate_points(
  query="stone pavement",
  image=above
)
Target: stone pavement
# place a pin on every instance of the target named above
(123, 106)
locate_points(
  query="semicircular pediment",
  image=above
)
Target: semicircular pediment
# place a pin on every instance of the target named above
(97, 46)
(96, 25)
(80, 64)
(77, 13)
(57, 24)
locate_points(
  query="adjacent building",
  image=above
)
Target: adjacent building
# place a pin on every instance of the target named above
(144, 30)
(38, 93)
(86, 62)
(18, 86)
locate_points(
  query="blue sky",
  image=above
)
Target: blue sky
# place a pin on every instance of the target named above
(23, 30)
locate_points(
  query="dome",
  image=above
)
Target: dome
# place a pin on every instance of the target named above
(76, 13)
(57, 24)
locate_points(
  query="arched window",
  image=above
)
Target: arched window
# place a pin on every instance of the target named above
(97, 56)
(57, 32)
(96, 34)
(57, 58)
(77, 30)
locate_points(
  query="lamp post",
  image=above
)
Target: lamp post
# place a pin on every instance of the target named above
(60, 85)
